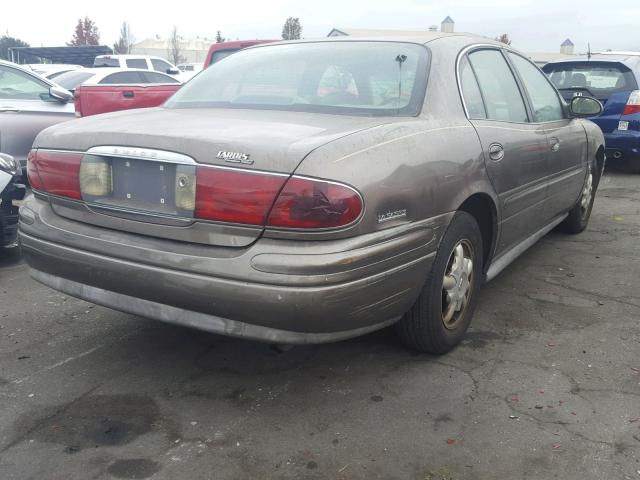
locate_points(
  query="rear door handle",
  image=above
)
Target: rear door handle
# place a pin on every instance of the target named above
(9, 109)
(554, 142)
(496, 152)
(128, 94)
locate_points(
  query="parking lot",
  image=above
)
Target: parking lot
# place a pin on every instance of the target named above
(546, 384)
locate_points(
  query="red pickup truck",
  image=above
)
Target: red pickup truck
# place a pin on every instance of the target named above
(218, 51)
(99, 98)
(94, 99)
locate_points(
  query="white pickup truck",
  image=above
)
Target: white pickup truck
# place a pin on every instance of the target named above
(146, 62)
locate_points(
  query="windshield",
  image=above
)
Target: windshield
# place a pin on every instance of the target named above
(601, 79)
(70, 80)
(354, 78)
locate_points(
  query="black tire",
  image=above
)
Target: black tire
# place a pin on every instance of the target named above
(578, 218)
(423, 326)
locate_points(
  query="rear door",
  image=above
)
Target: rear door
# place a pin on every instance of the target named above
(566, 137)
(26, 108)
(515, 150)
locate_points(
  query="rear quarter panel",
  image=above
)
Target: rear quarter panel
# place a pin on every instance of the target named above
(610, 116)
(426, 165)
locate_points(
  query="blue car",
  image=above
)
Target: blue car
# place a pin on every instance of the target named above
(612, 78)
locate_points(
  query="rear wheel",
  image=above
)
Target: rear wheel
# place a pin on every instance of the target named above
(579, 215)
(438, 320)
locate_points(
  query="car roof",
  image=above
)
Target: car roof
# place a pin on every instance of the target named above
(630, 60)
(98, 74)
(404, 36)
(129, 55)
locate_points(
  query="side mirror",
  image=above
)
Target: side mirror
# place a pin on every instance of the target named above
(582, 107)
(60, 94)
(173, 71)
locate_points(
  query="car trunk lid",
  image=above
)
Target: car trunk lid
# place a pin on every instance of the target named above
(148, 153)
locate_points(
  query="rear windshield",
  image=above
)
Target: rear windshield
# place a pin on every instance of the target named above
(352, 78)
(220, 54)
(601, 79)
(106, 62)
(70, 80)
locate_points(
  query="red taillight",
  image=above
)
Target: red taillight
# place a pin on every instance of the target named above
(32, 172)
(55, 172)
(239, 196)
(309, 203)
(633, 104)
(235, 196)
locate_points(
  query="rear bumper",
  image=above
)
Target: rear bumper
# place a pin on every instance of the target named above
(626, 142)
(273, 291)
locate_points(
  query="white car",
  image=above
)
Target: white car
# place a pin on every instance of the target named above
(190, 70)
(191, 67)
(53, 70)
(112, 76)
(143, 62)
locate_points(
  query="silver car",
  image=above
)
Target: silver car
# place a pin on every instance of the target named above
(28, 105)
(316, 190)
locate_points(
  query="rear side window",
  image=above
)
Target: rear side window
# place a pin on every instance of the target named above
(160, 65)
(71, 80)
(156, 77)
(220, 54)
(122, 78)
(500, 91)
(600, 79)
(544, 98)
(136, 63)
(106, 62)
(471, 92)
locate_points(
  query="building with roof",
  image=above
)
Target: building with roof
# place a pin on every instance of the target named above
(446, 26)
(193, 50)
(566, 47)
(539, 58)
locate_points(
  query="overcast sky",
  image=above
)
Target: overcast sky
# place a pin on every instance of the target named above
(533, 25)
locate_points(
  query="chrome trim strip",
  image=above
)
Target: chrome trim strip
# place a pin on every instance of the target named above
(245, 170)
(166, 156)
(504, 260)
(55, 150)
(141, 154)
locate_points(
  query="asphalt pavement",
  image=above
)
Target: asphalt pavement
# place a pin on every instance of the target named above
(546, 384)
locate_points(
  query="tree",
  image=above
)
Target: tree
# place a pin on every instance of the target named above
(219, 37)
(175, 47)
(504, 38)
(7, 42)
(291, 29)
(126, 40)
(86, 33)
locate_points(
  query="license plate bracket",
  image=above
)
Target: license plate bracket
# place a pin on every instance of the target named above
(144, 186)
